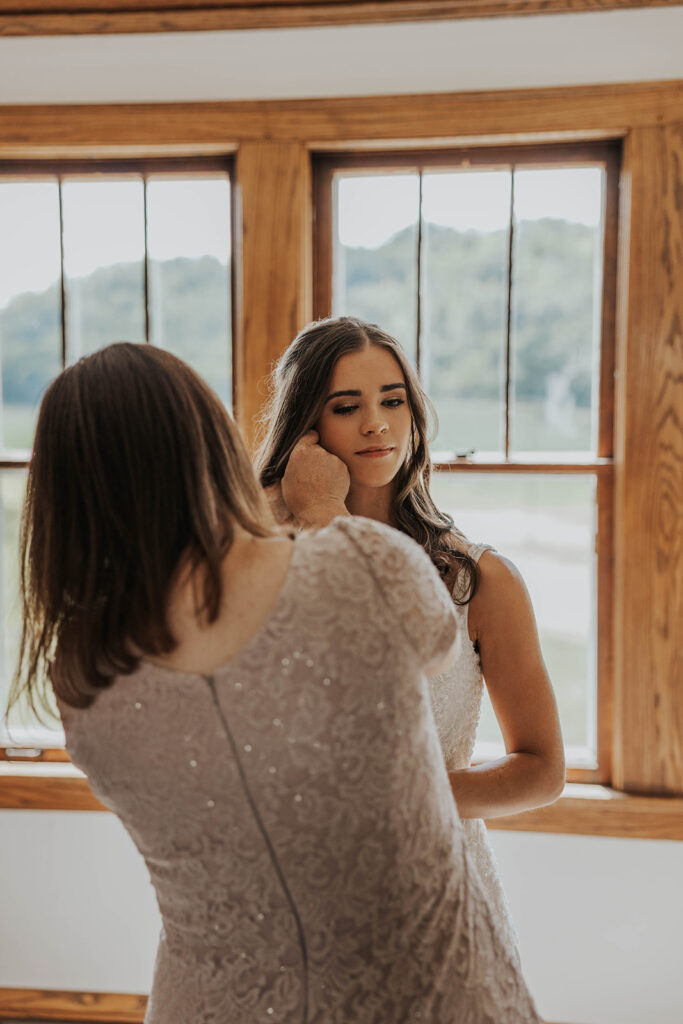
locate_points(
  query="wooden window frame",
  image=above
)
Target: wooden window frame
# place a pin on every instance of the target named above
(606, 154)
(273, 142)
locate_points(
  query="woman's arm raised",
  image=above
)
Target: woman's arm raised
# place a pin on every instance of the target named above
(532, 773)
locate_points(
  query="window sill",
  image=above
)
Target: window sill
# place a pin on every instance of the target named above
(45, 786)
(581, 810)
(588, 810)
(52, 1005)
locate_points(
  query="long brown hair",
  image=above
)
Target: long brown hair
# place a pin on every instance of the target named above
(299, 385)
(137, 471)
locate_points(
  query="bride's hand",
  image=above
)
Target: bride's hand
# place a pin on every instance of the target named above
(315, 483)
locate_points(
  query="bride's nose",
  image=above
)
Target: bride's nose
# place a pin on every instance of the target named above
(374, 424)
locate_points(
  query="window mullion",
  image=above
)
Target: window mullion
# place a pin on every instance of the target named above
(508, 322)
(146, 228)
(418, 311)
(62, 283)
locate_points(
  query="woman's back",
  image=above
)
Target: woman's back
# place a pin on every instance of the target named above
(294, 811)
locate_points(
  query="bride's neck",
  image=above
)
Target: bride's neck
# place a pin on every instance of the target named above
(371, 502)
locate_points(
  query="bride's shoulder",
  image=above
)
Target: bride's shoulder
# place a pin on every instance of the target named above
(500, 590)
(497, 570)
(477, 573)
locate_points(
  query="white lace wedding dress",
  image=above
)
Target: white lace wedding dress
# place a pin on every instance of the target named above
(456, 703)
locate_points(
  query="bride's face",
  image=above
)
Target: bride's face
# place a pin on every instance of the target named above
(366, 417)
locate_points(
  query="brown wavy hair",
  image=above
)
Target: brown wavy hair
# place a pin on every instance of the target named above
(299, 385)
(137, 472)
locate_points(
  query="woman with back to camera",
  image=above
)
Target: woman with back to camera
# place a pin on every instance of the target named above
(346, 433)
(251, 705)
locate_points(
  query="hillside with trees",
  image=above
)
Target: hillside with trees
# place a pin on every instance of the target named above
(463, 313)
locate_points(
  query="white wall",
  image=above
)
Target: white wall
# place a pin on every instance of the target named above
(599, 919)
(492, 53)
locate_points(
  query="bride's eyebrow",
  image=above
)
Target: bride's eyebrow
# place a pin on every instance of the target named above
(357, 394)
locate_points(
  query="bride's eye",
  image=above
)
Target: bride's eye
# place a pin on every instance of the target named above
(344, 410)
(393, 403)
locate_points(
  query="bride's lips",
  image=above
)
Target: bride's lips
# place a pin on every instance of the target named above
(376, 452)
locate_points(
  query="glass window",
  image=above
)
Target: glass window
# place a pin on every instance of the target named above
(546, 525)
(556, 306)
(188, 232)
(104, 263)
(487, 265)
(89, 256)
(466, 218)
(30, 303)
(375, 252)
(23, 729)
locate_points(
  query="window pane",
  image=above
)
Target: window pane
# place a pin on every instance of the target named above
(546, 525)
(24, 728)
(557, 292)
(375, 252)
(464, 314)
(30, 304)
(104, 254)
(188, 234)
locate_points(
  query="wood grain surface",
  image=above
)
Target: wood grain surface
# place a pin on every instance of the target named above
(600, 811)
(98, 130)
(45, 787)
(648, 750)
(96, 17)
(55, 1005)
(273, 265)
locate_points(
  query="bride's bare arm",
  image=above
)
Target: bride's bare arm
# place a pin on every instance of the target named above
(532, 773)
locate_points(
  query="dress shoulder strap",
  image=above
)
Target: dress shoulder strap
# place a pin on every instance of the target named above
(475, 551)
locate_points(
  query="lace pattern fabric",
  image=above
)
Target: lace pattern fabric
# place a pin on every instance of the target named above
(456, 697)
(294, 812)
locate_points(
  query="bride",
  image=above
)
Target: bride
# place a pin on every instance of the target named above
(346, 434)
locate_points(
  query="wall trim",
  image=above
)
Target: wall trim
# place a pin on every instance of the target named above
(98, 17)
(435, 120)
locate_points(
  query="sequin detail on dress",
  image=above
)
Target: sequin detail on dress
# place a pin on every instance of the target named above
(359, 820)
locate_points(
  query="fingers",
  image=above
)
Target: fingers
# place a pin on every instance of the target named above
(307, 440)
(310, 437)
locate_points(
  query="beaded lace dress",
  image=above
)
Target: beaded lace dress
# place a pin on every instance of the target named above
(456, 702)
(294, 811)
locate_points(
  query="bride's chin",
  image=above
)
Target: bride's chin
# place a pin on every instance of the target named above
(370, 479)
